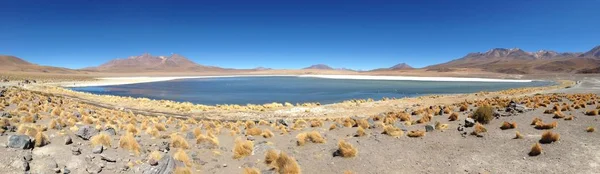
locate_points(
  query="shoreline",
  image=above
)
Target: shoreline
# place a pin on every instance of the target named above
(109, 81)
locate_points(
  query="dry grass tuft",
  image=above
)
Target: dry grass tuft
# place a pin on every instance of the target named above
(271, 156)
(392, 131)
(287, 165)
(316, 123)
(507, 125)
(242, 148)
(180, 155)
(251, 171)
(518, 135)
(178, 141)
(593, 112)
(463, 108)
(541, 125)
(197, 132)
(549, 137)
(440, 126)
(360, 132)
(254, 131)
(478, 129)
(213, 141)
(128, 142)
(483, 114)
(535, 121)
(101, 139)
(312, 136)
(155, 155)
(590, 129)
(453, 116)
(363, 123)
(41, 139)
(345, 150)
(535, 150)
(182, 170)
(267, 133)
(415, 134)
(333, 126)
(569, 118)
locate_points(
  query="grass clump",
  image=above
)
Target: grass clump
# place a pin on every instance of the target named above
(211, 140)
(507, 125)
(541, 125)
(312, 136)
(242, 148)
(128, 142)
(593, 112)
(535, 150)
(590, 129)
(535, 121)
(271, 156)
(267, 133)
(360, 132)
(483, 114)
(251, 171)
(178, 141)
(180, 155)
(101, 139)
(287, 165)
(549, 137)
(415, 134)
(518, 135)
(345, 150)
(453, 116)
(41, 139)
(254, 131)
(478, 129)
(392, 131)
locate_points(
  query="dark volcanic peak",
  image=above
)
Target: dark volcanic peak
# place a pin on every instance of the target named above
(594, 53)
(319, 66)
(401, 66)
(517, 53)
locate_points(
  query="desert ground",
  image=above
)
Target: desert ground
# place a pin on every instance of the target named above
(48, 129)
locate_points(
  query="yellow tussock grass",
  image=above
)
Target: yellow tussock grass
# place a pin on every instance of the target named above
(271, 156)
(541, 125)
(160, 127)
(213, 141)
(101, 139)
(333, 126)
(180, 155)
(506, 125)
(155, 155)
(569, 118)
(197, 132)
(254, 131)
(536, 150)
(415, 134)
(478, 129)
(392, 131)
(590, 129)
(518, 135)
(287, 165)
(251, 171)
(129, 142)
(41, 139)
(178, 141)
(535, 121)
(549, 137)
(345, 150)
(363, 123)
(312, 136)
(453, 116)
(360, 132)
(316, 123)
(593, 112)
(242, 148)
(267, 133)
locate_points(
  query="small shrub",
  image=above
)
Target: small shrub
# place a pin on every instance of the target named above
(590, 129)
(180, 155)
(518, 135)
(593, 112)
(507, 125)
(478, 129)
(182, 170)
(549, 137)
(535, 121)
(128, 142)
(333, 126)
(541, 125)
(41, 139)
(363, 123)
(254, 131)
(316, 123)
(569, 118)
(313, 136)
(267, 133)
(453, 116)
(242, 148)
(360, 132)
(392, 131)
(178, 141)
(345, 150)
(535, 150)
(416, 134)
(101, 139)
(287, 165)
(271, 156)
(251, 171)
(483, 114)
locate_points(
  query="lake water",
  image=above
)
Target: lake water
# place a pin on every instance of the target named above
(260, 90)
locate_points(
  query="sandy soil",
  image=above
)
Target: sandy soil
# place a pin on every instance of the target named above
(439, 151)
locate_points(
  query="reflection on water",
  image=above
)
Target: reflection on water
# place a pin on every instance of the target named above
(260, 90)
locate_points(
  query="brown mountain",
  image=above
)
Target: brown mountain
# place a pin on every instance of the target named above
(15, 64)
(319, 66)
(400, 66)
(517, 61)
(149, 63)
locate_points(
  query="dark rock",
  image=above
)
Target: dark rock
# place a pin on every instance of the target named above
(5, 115)
(110, 131)
(166, 165)
(190, 135)
(25, 165)
(250, 138)
(283, 122)
(108, 158)
(75, 151)
(469, 122)
(86, 132)
(164, 147)
(66, 171)
(68, 140)
(429, 128)
(98, 149)
(20, 142)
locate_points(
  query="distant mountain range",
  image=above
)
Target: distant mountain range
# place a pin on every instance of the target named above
(15, 64)
(501, 60)
(517, 61)
(147, 62)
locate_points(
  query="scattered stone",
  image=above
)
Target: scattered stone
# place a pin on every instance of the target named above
(75, 151)
(152, 162)
(250, 138)
(68, 140)
(190, 135)
(469, 122)
(108, 158)
(66, 171)
(166, 165)
(86, 132)
(28, 156)
(20, 142)
(283, 122)
(5, 115)
(164, 146)
(93, 169)
(110, 131)
(429, 128)
(98, 149)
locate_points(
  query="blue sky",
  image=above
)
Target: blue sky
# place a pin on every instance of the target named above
(291, 34)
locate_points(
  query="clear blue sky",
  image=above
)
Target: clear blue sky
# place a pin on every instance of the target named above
(291, 34)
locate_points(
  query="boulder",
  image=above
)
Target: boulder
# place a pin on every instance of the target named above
(98, 149)
(86, 132)
(469, 122)
(20, 142)
(166, 165)
(429, 128)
